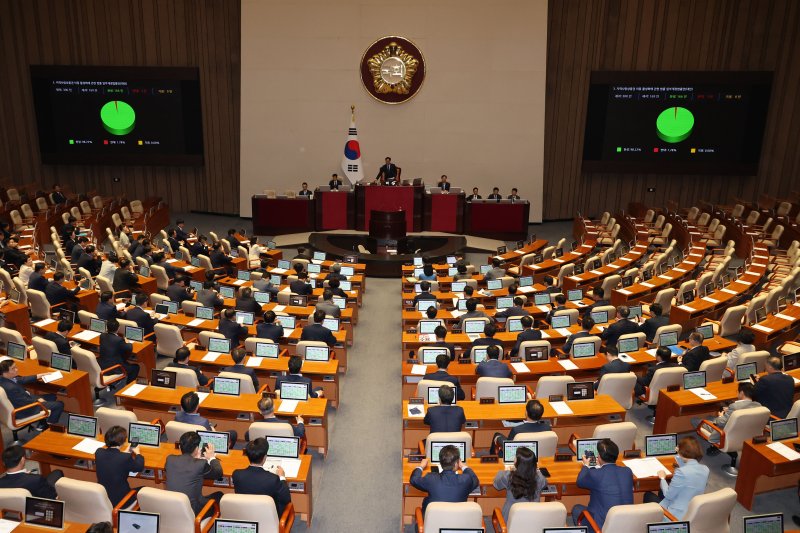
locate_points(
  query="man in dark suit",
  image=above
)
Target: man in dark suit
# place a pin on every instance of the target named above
(12, 384)
(495, 195)
(446, 485)
(182, 361)
(775, 390)
(442, 362)
(490, 330)
(335, 286)
(208, 297)
(651, 325)
(533, 424)
(608, 485)
(492, 367)
(514, 310)
(79, 248)
(200, 247)
(514, 196)
(16, 477)
(246, 302)
(696, 354)
(318, 332)
(159, 259)
(58, 196)
(299, 286)
(238, 355)
(13, 255)
(551, 288)
(613, 366)
(266, 406)
(443, 184)
(387, 175)
(327, 306)
(90, 260)
(255, 480)
(139, 315)
(445, 417)
(335, 183)
(59, 337)
(294, 376)
(179, 290)
(586, 324)
(68, 229)
(113, 465)
(115, 351)
(190, 403)
(441, 334)
(425, 295)
(57, 294)
(619, 328)
(186, 472)
(474, 195)
(497, 271)
(598, 300)
(560, 305)
(124, 277)
(180, 230)
(528, 333)
(663, 360)
(219, 259)
(304, 190)
(234, 241)
(230, 328)
(37, 280)
(172, 239)
(269, 329)
(106, 308)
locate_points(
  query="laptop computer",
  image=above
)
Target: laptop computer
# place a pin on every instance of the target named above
(582, 349)
(245, 318)
(480, 354)
(287, 321)
(658, 445)
(599, 317)
(436, 448)
(60, 361)
(219, 345)
(628, 345)
(284, 264)
(423, 305)
(581, 390)
(294, 391)
(163, 378)
(16, 351)
(220, 440)
(514, 324)
(764, 523)
(503, 302)
(426, 327)
(266, 349)
(243, 275)
(317, 353)
(670, 340)
(560, 321)
(585, 445)
(134, 334)
(81, 425)
(204, 313)
(474, 326)
(97, 325)
(331, 324)
(541, 298)
(138, 522)
(783, 429)
(668, 527)
(526, 281)
(512, 394)
(694, 380)
(745, 370)
(510, 448)
(227, 292)
(634, 311)
(229, 386)
(494, 284)
(574, 295)
(706, 330)
(429, 355)
(433, 395)
(536, 353)
(44, 512)
(146, 434)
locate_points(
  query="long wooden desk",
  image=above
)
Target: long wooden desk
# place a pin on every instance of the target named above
(762, 469)
(551, 267)
(17, 317)
(777, 328)
(596, 276)
(229, 412)
(73, 388)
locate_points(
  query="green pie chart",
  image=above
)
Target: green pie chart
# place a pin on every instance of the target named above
(674, 124)
(118, 117)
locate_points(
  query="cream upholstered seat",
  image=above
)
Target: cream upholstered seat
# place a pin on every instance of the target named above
(176, 510)
(662, 378)
(714, 368)
(157, 298)
(628, 517)
(85, 502)
(108, 417)
(204, 336)
(301, 346)
(40, 307)
(250, 343)
(711, 512)
(572, 313)
(425, 384)
(759, 357)
(742, 425)
(640, 337)
(174, 430)
(552, 385)
(259, 509)
(664, 298)
(162, 279)
(618, 386)
(446, 515)
(11, 418)
(189, 307)
(168, 339)
(245, 382)
(524, 345)
(184, 377)
(454, 436)
(487, 387)
(14, 499)
(547, 442)
(669, 328)
(794, 412)
(530, 517)
(623, 434)
(731, 321)
(591, 339)
(44, 348)
(99, 378)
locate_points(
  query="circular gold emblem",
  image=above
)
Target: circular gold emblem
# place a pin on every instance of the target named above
(392, 70)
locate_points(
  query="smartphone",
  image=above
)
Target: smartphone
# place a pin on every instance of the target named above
(545, 472)
(592, 458)
(134, 442)
(435, 469)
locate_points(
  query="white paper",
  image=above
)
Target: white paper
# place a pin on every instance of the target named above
(664, 276)
(202, 395)
(511, 423)
(239, 282)
(681, 270)
(253, 361)
(575, 278)
(729, 291)
(743, 282)
(710, 300)
(291, 467)
(647, 467)
(535, 267)
(784, 450)
(624, 291)
(86, 335)
(525, 290)
(134, 389)
(196, 322)
(287, 406)
(419, 370)
(278, 308)
(760, 327)
(702, 393)
(52, 376)
(6, 526)
(687, 308)
(519, 252)
(278, 271)
(786, 317)
(120, 306)
(545, 335)
(596, 272)
(456, 313)
(88, 446)
(172, 260)
(646, 284)
(211, 356)
(561, 408)
(45, 322)
(564, 332)
(543, 308)
(626, 358)
(558, 260)
(426, 337)
(651, 352)
(521, 368)
(567, 364)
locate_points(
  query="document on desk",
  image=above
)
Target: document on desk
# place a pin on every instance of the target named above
(254, 361)
(88, 446)
(511, 423)
(52, 376)
(472, 337)
(624, 291)
(664, 276)
(681, 270)
(710, 300)
(729, 291)
(240, 282)
(419, 370)
(558, 260)
(785, 317)
(211, 356)
(544, 308)
(784, 450)
(561, 408)
(6, 526)
(648, 467)
(86, 335)
(535, 267)
(564, 332)
(456, 314)
(415, 410)
(426, 337)
(545, 335)
(291, 467)
(760, 327)
(626, 358)
(202, 396)
(526, 290)
(287, 406)
(196, 322)
(567, 364)
(521, 368)
(651, 352)
(278, 271)
(687, 308)
(134, 389)
(596, 272)
(45, 322)
(575, 278)
(645, 284)
(702, 393)
(278, 308)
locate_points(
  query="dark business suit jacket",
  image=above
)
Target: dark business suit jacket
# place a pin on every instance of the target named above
(775, 392)
(202, 380)
(37, 282)
(209, 298)
(492, 368)
(442, 375)
(514, 310)
(173, 243)
(58, 294)
(445, 418)
(612, 367)
(334, 184)
(186, 474)
(449, 345)
(318, 332)
(651, 325)
(181, 234)
(388, 172)
(33, 483)
(142, 319)
(586, 311)
(62, 344)
(693, 358)
(445, 186)
(241, 369)
(269, 331)
(248, 304)
(219, 259)
(619, 328)
(424, 296)
(19, 395)
(198, 249)
(572, 338)
(113, 350)
(256, 480)
(232, 330)
(113, 466)
(106, 311)
(125, 280)
(555, 308)
(529, 427)
(89, 263)
(294, 378)
(444, 486)
(76, 252)
(526, 335)
(300, 287)
(608, 486)
(177, 293)
(487, 341)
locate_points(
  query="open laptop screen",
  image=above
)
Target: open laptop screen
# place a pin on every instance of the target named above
(163, 378)
(510, 449)
(582, 349)
(765, 523)
(285, 447)
(61, 361)
(656, 445)
(82, 426)
(266, 349)
(436, 448)
(138, 522)
(429, 354)
(147, 434)
(219, 439)
(229, 386)
(668, 527)
(294, 391)
(43, 512)
(783, 429)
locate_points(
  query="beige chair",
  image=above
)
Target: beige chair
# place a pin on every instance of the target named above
(23, 290)
(669, 328)
(714, 368)
(530, 517)
(157, 298)
(662, 378)
(11, 335)
(623, 434)
(189, 307)
(794, 412)
(425, 384)
(43, 348)
(104, 283)
(552, 385)
(301, 346)
(168, 339)
(40, 307)
(41, 204)
(591, 339)
(14, 499)
(547, 442)
(754, 304)
(259, 509)
(251, 342)
(573, 315)
(204, 336)
(620, 387)
(627, 518)
(85, 502)
(12, 418)
(524, 345)
(245, 382)
(640, 337)
(446, 515)
(758, 357)
(663, 297)
(731, 321)
(99, 379)
(85, 318)
(611, 283)
(108, 417)
(174, 430)
(176, 510)
(270, 429)
(184, 377)
(774, 238)
(487, 387)
(610, 309)
(742, 425)
(162, 279)
(455, 436)
(711, 512)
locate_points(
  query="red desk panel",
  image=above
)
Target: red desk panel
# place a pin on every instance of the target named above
(382, 198)
(444, 212)
(334, 210)
(276, 216)
(508, 221)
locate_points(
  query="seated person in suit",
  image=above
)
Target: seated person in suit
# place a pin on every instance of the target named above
(491, 367)
(57, 294)
(497, 270)
(442, 362)
(294, 376)
(115, 351)
(514, 196)
(159, 259)
(172, 239)
(462, 272)
(472, 311)
(446, 485)
(514, 310)
(79, 248)
(431, 312)
(327, 306)
(181, 232)
(208, 297)
(37, 281)
(445, 417)
(495, 194)
(523, 482)
(696, 354)
(12, 383)
(744, 400)
(304, 191)
(443, 184)
(688, 480)
(598, 300)
(614, 365)
(219, 259)
(138, 314)
(16, 477)
(318, 332)
(200, 247)
(300, 286)
(335, 183)
(265, 283)
(441, 334)
(90, 260)
(68, 229)
(533, 423)
(59, 337)
(182, 361)
(269, 329)
(775, 390)
(587, 323)
(528, 333)
(425, 287)
(229, 327)
(559, 305)
(124, 277)
(234, 241)
(266, 406)
(474, 195)
(744, 344)
(663, 360)
(113, 465)
(58, 196)
(656, 320)
(107, 308)
(622, 326)
(551, 287)
(255, 480)
(179, 290)
(246, 301)
(190, 403)
(186, 472)
(608, 485)
(336, 273)
(490, 330)
(428, 273)
(238, 354)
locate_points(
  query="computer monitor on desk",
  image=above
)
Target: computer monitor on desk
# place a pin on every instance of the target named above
(44, 512)
(765, 523)
(436, 448)
(138, 522)
(294, 391)
(510, 449)
(581, 350)
(163, 378)
(783, 429)
(219, 439)
(668, 527)
(228, 386)
(658, 445)
(82, 426)
(694, 380)
(429, 354)
(266, 349)
(145, 434)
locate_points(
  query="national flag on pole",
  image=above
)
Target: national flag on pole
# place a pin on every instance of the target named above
(351, 156)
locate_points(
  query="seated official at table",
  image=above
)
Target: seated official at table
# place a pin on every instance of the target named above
(474, 195)
(269, 329)
(266, 407)
(182, 361)
(219, 259)
(528, 333)
(425, 287)
(387, 174)
(238, 355)
(318, 332)
(304, 191)
(598, 300)
(523, 483)
(229, 327)
(622, 326)
(234, 241)
(472, 311)
(115, 351)
(495, 195)
(59, 337)
(336, 182)
(255, 480)
(300, 286)
(775, 390)
(38, 281)
(744, 344)
(608, 484)
(428, 273)
(17, 477)
(12, 383)
(492, 367)
(445, 417)
(179, 290)
(688, 480)
(90, 260)
(107, 308)
(664, 359)
(180, 230)
(614, 365)
(139, 315)
(514, 310)
(57, 294)
(551, 287)
(587, 323)
(533, 423)
(124, 277)
(246, 302)
(440, 332)
(200, 247)
(294, 376)
(559, 304)
(497, 271)
(190, 404)
(513, 196)
(443, 184)
(656, 320)
(327, 306)
(446, 485)
(113, 465)
(696, 354)
(490, 330)
(462, 272)
(172, 240)
(208, 297)
(744, 400)
(441, 374)
(186, 472)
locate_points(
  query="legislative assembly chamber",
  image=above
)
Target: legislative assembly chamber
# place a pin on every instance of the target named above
(523, 266)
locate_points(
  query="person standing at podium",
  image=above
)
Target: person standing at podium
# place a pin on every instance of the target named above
(335, 182)
(444, 186)
(387, 175)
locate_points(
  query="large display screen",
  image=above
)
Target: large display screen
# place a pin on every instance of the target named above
(676, 122)
(118, 115)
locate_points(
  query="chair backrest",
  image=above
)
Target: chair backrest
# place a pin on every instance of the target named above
(204, 336)
(445, 436)
(710, 512)
(731, 321)
(488, 387)
(759, 357)
(184, 377)
(189, 307)
(794, 412)
(669, 328)
(300, 349)
(639, 336)
(270, 429)
(618, 386)
(552, 385)
(623, 434)
(533, 517)
(11, 335)
(41, 203)
(691, 215)
(40, 307)
(160, 273)
(174, 429)
(14, 499)
(425, 384)
(703, 219)
(168, 339)
(754, 304)
(591, 339)
(571, 313)
(44, 348)
(632, 517)
(245, 383)
(86, 361)
(250, 343)
(104, 283)
(743, 425)
(84, 502)
(251, 508)
(85, 317)
(664, 297)
(547, 442)
(23, 294)
(174, 508)
(704, 280)
(714, 368)
(663, 378)
(157, 298)
(610, 283)
(108, 417)
(737, 211)
(444, 515)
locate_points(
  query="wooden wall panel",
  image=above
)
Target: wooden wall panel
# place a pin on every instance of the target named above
(195, 33)
(586, 35)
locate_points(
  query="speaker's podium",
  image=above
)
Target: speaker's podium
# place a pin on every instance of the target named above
(335, 209)
(381, 198)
